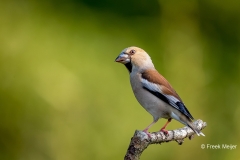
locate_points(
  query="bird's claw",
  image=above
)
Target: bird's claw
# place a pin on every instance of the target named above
(164, 131)
(149, 134)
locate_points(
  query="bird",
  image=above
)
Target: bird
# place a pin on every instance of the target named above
(153, 91)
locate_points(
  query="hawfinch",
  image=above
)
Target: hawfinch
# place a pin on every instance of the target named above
(153, 91)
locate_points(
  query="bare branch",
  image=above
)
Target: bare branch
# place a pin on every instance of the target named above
(140, 140)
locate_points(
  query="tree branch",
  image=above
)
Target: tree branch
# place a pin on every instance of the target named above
(140, 140)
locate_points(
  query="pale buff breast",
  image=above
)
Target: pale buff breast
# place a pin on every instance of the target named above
(156, 107)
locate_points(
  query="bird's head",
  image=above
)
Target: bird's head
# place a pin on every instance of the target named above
(135, 58)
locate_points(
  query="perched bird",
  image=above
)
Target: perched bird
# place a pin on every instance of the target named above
(153, 91)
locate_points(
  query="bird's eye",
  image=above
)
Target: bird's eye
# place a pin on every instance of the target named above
(132, 51)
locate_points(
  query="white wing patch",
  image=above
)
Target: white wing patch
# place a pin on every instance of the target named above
(151, 86)
(157, 88)
(172, 98)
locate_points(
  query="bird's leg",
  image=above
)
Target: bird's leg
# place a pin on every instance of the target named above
(146, 129)
(163, 128)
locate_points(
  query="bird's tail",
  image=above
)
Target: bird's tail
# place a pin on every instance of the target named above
(194, 128)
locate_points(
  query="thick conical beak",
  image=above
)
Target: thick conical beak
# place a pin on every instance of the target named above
(122, 58)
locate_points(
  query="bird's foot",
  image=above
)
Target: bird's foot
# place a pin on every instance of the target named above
(164, 131)
(146, 131)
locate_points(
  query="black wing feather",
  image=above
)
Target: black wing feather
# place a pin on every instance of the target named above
(178, 105)
(184, 110)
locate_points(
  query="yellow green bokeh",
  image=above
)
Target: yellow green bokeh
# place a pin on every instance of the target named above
(62, 96)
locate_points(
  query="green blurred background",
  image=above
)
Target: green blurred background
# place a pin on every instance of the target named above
(62, 97)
